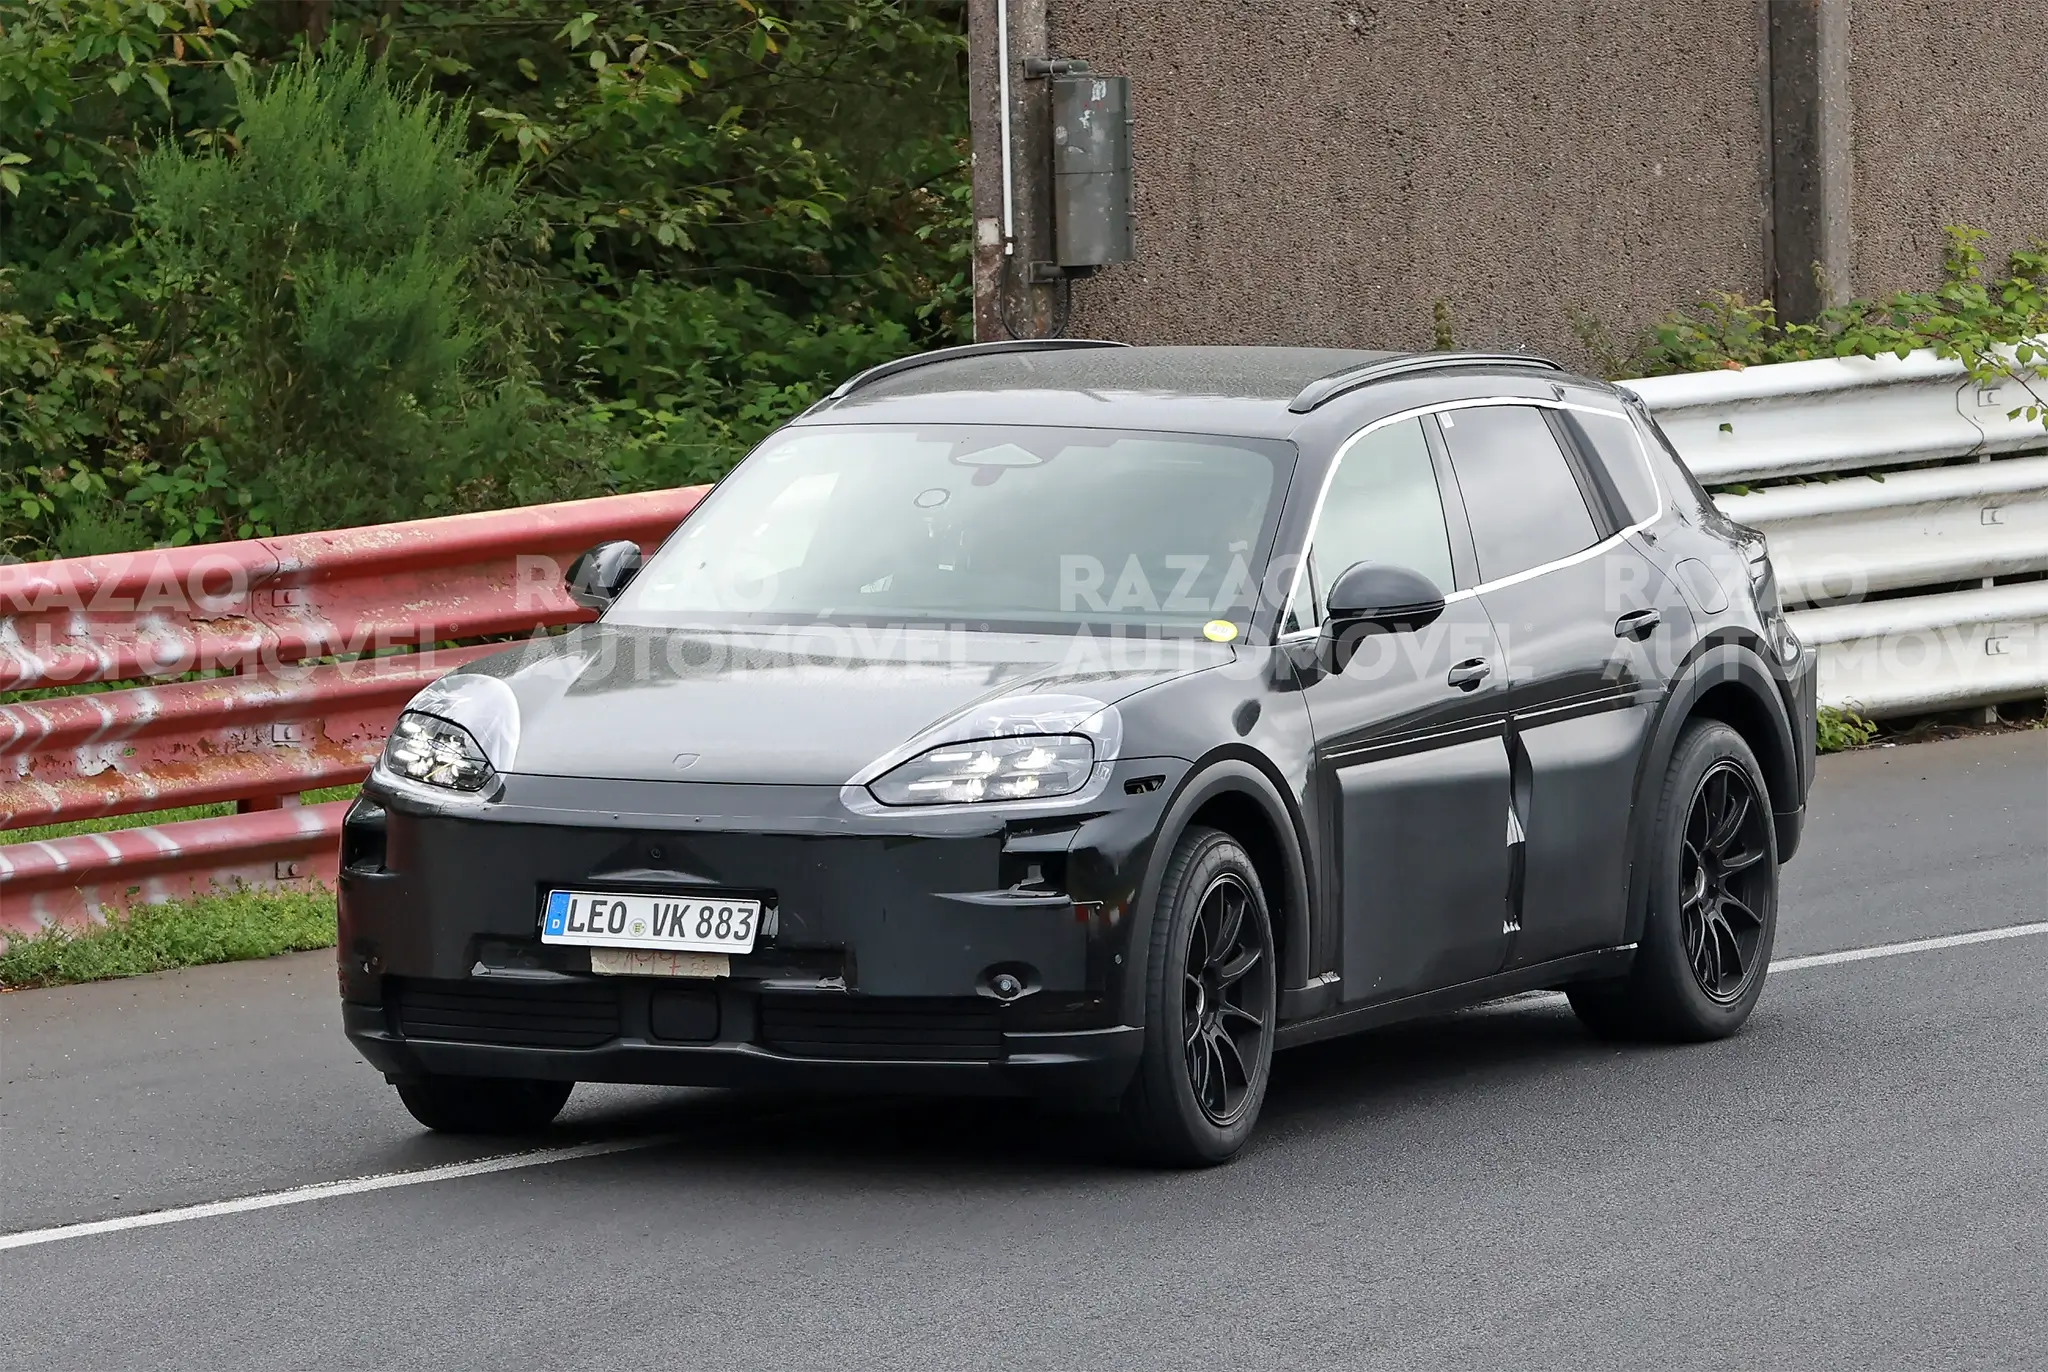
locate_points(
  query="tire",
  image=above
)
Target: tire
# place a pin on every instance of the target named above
(484, 1105)
(1713, 911)
(1211, 1006)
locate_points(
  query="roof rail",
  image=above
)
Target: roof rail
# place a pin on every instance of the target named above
(1009, 345)
(1328, 388)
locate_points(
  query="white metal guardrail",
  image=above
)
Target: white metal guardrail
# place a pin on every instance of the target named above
(1840, 539)
(1866, 530)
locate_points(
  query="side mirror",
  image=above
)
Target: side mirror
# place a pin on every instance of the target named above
(596, 578)
(1377, 597)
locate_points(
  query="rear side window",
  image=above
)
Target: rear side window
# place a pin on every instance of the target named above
(1614, 441)
(1689, 499)
(1523, 501)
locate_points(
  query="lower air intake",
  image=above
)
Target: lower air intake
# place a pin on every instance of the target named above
(507, 1015)
(880, 1028)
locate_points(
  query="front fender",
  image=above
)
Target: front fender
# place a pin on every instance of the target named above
(1221, 776)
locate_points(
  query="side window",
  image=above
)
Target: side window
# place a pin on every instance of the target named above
(1691, 499)
(1383, 506)
(1613, 439)
(1520, 495)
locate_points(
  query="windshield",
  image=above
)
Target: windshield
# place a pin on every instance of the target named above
(1031, 527)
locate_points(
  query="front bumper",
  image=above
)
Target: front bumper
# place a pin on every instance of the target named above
(1088, 1064)
(876, 970)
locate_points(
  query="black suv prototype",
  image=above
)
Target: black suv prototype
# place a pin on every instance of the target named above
(1088, 722)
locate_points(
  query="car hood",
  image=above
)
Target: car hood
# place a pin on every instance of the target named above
(803, 706)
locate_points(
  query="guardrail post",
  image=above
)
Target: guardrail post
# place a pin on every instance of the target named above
(258, 804)
(1990, 712)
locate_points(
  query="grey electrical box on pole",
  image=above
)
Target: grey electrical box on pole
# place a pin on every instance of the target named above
(1091, 166)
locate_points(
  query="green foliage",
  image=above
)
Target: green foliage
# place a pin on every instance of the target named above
(429, 257)
(231, 927)
(332, 267)
(1995, 326)
(736, 207)
(83, 83)
(1841, 729)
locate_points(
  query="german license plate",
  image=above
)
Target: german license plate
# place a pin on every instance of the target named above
(682, 924)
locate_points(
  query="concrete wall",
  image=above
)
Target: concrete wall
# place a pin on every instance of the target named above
(1322, 173)
(1949, 125)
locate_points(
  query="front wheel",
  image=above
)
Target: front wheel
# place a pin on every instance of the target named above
(1210, 1009)
(484, 1105)
(1713, 912)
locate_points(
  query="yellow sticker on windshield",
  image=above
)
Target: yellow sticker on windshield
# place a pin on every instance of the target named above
(1219, 631)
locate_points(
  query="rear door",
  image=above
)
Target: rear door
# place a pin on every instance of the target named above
(1579, 611)
(1412, 769)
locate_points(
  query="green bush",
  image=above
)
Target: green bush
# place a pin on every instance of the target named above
(332, 266)
(1993, 324)
(420, 257)
(1839, 729)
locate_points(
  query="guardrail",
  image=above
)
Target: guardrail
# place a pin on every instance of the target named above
(1899, 571)
(280, 721)
(1847, 414)
(311, 644)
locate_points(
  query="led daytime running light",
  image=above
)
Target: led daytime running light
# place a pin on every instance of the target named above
(434, 752)
(1029, 767)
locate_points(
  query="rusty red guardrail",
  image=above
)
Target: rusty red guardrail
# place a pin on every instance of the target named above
(281, 720)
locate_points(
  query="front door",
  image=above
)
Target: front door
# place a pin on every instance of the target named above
(1412, 773)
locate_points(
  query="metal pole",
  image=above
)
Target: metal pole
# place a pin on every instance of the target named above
(1012, 168)
(1003, 96)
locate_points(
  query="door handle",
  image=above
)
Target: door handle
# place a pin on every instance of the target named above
(1638, 624)
(1467, 675)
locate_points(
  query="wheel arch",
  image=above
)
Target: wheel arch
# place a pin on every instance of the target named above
(1236, 793)
(1728, 682)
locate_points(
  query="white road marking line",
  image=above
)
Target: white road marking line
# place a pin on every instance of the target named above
(1918, 945)
(1529, 1000)
(299, 1195)
(542, 1157)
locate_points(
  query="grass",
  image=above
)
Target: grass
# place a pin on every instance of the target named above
(107, 823)
(230, 927)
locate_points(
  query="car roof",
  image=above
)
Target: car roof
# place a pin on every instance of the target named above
(1225, 390)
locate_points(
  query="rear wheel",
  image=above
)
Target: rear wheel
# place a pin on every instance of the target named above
(484, 1105)
(1210, 1009)
(1713, 910)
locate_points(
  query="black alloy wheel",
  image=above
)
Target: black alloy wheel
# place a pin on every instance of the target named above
(1212, 1002)
(1226, 1014)
(1711, 911)
(1724, 881)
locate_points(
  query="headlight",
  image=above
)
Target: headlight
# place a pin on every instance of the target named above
(1024, 767)
(434, 752)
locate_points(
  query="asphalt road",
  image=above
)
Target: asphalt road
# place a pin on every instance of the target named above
(1860, 1180)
